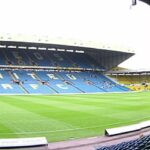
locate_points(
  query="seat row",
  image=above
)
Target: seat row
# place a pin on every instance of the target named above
(52, 82)
(142, 143)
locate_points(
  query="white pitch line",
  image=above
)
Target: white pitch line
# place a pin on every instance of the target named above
(75, 129)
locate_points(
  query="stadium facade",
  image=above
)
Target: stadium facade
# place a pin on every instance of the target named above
(42, 65)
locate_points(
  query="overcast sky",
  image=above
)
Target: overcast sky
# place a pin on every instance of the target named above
(110, 21)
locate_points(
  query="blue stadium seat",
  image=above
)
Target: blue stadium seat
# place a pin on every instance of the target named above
(47, 58)
(138, 144)
(51, 82)
(7, 85)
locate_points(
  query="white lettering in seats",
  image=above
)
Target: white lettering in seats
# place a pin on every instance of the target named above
(34, 86)
(71, 77)
(6, 86)
(52, 76)
(62, 86)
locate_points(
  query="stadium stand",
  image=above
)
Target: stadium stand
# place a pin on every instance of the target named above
(142, 143)
(132, 79)
(47, 58)
(31, 83)
(55, 70)
(50, 82)
(136, 82)
(8, 85)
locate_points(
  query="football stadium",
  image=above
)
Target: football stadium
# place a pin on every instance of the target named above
(66, 94)
(60, 90)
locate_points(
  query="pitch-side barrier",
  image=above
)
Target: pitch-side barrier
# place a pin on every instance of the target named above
(39, 143)
(127, 129)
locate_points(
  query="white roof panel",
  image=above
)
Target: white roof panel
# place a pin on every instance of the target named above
(62, 41)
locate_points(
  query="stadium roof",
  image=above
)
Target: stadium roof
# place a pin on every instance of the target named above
(62, 41)
(145, 1)
(128, 71)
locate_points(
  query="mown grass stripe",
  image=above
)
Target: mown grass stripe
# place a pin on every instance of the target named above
(60, 117)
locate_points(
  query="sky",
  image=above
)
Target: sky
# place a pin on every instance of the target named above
(106, 21)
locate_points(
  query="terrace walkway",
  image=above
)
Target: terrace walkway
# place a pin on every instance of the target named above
(92, 142)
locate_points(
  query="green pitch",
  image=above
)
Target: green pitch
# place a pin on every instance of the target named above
(63, 117)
